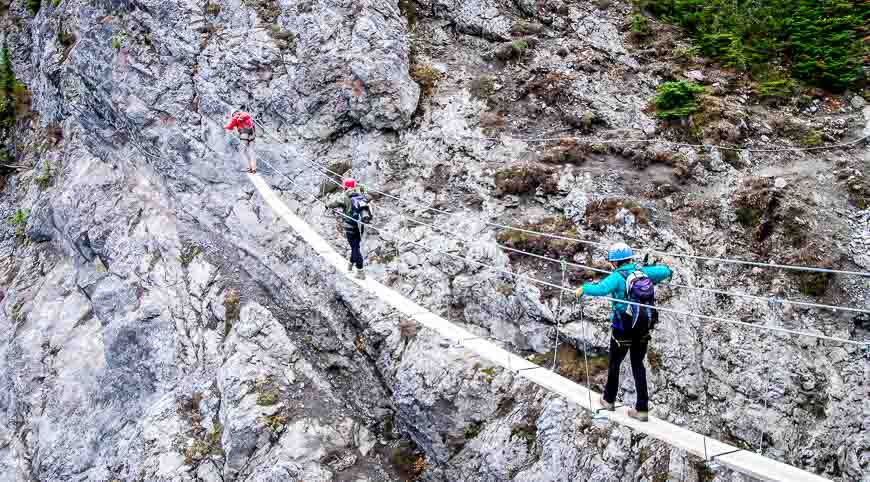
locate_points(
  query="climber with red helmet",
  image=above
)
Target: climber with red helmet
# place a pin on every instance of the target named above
(631, 288)
(243, 122)
(356, 213)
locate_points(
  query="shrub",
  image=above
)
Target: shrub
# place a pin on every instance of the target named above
(14, 95)
(19, 221)
(778, 89)
(65, 39)
(55, 3)
(512, 50)
(674, 100)
(427, 77)
(34, 6)
(408, 8)
(640, 26)
(820, 41)
(188, 253)
(526, 180)
(232, 310)
(44, 179)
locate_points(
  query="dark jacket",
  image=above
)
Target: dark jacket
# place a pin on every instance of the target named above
(350, 225)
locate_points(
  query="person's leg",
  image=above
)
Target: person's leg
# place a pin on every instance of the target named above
(351, 240)
(252, 156)
(355, 254)
(638, 353)
(248, 150)
(617, 354)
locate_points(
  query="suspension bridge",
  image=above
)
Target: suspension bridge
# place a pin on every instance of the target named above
(714, 452)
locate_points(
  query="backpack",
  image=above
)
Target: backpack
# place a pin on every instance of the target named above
(360, 210)
(639, 288)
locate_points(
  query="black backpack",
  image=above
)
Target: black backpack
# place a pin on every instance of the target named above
(640, 289)
(360, 210)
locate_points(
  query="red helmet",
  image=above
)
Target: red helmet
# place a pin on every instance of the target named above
(349, 183)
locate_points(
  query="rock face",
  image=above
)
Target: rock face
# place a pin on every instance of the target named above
(158, 322)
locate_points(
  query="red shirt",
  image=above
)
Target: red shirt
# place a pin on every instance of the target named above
(241, 120)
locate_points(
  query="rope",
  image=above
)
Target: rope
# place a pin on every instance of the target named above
(585, 342)
(551, 285)
(559, 317)
(459, 236)
(708, 147)
(599, 244)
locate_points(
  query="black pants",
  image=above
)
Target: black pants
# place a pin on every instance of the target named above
(355, 238)
(637, 348)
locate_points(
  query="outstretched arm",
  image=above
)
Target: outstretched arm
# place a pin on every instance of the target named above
(657, 273)
(604, 287)
(232, 125)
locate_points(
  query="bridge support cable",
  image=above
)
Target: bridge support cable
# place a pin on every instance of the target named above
(464, 238)
(659, 308)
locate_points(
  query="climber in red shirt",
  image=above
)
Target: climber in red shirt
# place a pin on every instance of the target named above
(243, 122)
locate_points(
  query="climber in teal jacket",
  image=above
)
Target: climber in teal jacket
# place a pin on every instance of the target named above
(630, 323)
(613, 286)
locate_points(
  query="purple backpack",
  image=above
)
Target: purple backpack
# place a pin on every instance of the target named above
(639, 288)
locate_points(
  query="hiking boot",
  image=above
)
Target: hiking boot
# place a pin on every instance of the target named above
(361, 273)
(350, 267)
(605, 405)
(642, 416)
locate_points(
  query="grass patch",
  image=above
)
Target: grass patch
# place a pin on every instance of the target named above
(267, 394)
(820, 42)
(213, 9)
(605, 212)
(814, 284)
(748, 216)
(488, 374)
(812, 139)
(275, 423)
(526, 180)
(533, 243)
(675, 100)
(571, 364)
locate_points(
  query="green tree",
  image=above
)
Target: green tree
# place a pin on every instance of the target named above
(819, 41)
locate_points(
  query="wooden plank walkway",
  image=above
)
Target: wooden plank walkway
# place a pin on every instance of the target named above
(742, 461)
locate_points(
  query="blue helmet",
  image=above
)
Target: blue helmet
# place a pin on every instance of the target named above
(619, 252)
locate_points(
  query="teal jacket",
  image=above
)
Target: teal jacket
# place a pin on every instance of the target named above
(614, 285)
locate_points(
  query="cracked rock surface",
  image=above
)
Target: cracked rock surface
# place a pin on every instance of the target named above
(158, 321)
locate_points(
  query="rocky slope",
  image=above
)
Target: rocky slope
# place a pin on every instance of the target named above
(160, 323)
